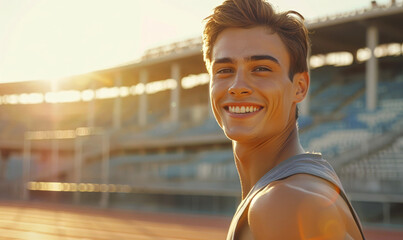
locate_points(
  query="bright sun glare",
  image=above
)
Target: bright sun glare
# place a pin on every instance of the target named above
(61, 37)
(55, 39)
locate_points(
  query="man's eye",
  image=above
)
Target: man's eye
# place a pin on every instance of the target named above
(262, 69)
(224, 71)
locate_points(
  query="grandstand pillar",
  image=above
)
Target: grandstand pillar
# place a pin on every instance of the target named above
(386, 212)
(371, 71)
(55, 158)
(91, 108)
(117, 108)
(54, 106)
(3, 166)
(77, 167)
(175, 93)
(26, 168)
(142, 112)
(105, 169)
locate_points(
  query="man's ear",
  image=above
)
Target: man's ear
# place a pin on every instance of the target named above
(301, 85)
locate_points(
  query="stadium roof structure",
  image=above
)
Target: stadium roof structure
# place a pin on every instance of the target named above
(347, 32)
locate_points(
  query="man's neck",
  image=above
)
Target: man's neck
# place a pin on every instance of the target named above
(255, 160)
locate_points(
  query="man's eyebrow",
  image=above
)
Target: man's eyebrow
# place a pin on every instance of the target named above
(223, 60)
(251, 58)
(262, 57)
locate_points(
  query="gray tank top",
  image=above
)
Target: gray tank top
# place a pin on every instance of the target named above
(312, 164)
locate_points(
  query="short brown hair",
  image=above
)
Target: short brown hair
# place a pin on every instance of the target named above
(251, 13)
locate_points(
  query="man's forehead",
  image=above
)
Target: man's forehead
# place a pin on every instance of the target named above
(240, 44)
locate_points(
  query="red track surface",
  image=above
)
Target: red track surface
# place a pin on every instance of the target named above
(30, 221)
(40, 221)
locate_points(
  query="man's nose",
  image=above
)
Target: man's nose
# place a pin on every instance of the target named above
(239, 86)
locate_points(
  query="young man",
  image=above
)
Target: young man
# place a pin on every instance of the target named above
(257, 60)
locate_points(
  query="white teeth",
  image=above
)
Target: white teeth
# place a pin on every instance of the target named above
(243, 109)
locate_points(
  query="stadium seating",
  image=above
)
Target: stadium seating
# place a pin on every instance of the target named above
(358, 124)
(384, 167)
(14, 169)
(209, 125)
(206, 165)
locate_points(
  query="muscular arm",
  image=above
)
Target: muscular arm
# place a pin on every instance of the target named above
(301, 207)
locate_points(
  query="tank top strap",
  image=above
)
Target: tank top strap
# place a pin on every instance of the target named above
(308, 163)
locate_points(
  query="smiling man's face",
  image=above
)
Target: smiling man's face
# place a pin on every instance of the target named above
(251, 94)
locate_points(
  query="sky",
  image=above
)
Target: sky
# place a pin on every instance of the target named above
(52, 39)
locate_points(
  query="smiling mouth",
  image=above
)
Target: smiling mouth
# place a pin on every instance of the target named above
(242, 109)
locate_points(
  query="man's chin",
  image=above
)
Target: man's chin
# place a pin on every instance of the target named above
(239, 136)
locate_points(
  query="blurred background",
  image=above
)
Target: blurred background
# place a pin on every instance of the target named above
(105, 104)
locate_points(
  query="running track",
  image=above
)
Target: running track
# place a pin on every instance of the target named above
(41, 221)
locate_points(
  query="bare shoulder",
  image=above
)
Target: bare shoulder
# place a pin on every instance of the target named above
(301, 207)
